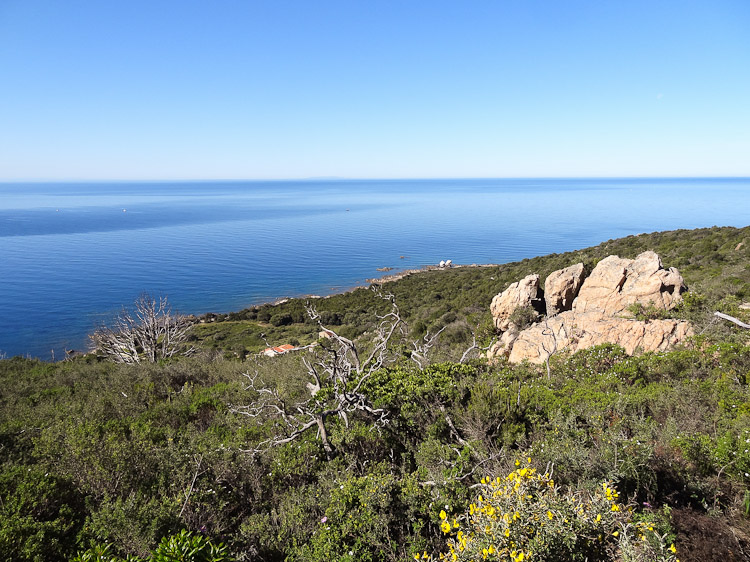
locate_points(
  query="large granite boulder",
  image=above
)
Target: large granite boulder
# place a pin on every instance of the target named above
(572, 331)
(616, 283)
(561, 287)
(598, 314)
(504, 345)
(520, 294)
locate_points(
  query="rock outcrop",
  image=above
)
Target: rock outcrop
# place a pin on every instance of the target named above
(582, 313)
(573, 332)
(617, 283)
(520, 294)
(561, 288)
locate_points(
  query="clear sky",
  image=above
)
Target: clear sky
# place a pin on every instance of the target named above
(187, 89)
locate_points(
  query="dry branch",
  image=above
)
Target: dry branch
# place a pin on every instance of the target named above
(336, 375)
(149, 333)
(732, 319)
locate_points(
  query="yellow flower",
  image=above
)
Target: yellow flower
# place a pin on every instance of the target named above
(598, 517)
(615, 507)
(672, 549)
(549, 514)
(445, 527)
(616, 534)
(443, 515)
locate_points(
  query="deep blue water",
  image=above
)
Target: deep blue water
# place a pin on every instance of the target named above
(71, 254)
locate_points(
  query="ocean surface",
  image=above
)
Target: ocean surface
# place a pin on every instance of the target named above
(72, 254)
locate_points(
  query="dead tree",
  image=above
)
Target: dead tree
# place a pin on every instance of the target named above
(148, 333)
(422, 347)
(552, 348)
(336, 376)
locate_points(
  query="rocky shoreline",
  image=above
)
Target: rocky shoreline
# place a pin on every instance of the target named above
(407, 272)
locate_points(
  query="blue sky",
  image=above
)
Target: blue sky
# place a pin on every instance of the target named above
(290, 89)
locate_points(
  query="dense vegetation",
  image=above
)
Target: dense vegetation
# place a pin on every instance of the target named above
(103, 460)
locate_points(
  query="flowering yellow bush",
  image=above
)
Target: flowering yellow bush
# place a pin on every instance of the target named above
(526, 517)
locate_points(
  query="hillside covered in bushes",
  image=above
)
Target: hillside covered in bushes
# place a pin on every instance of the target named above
(382, 443)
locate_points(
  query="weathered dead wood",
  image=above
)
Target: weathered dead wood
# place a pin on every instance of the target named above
(732, 319)
(336, 374)
(148, 333)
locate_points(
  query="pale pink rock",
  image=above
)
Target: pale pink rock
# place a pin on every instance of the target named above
(504, 345)
(599, 312)
(616, 283)
(573, 332)
(561, 287)
(522, 293)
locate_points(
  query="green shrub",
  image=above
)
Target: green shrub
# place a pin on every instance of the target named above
(355, 526)
(189, 547)
(40, 515)
(526, 516)
(182, 547)
(523, 317)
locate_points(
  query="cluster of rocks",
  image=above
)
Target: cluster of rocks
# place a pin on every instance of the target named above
(575, 311)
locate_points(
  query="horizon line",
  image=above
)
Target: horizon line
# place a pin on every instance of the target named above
(354, 178)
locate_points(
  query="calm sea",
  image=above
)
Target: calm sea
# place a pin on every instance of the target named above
(72, 254)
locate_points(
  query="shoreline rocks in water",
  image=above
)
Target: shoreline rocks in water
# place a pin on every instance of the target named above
(584, 311)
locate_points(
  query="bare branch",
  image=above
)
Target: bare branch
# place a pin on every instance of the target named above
(192, 484)
(552, 349)
(149, 333)
(474, 345)
(465, 475)
(732, 319)
(336, 376)
(422, 347)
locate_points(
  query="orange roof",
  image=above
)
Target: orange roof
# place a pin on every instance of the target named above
(279, 349)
